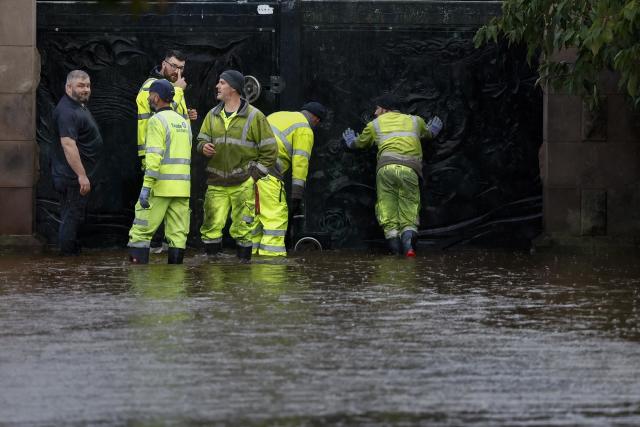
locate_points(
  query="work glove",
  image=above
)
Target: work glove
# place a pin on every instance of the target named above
(434, 125)
(296, 207)
(349, 137)
(144, 197)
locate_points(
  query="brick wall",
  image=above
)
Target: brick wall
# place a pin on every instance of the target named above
(590, 165)
(19, 72)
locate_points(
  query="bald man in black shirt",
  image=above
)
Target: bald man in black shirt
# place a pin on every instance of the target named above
(76, 153)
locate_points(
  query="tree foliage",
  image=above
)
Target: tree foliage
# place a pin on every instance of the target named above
(605, 34)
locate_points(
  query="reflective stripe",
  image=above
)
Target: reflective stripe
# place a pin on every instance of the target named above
(238, 171)
(299, 182)
(142, 147)
(174, 177)
(167, 136)
(274, 232)
(295, 126)
(302, 153)
(218, 240)
(376, 126)
(381, 137)
(391, 234)
(245, 244)
(398, 156)
(386, 136)
(176, 161)
(204, 136)
(235, 141)
(143, 222)
(174, 105)
(272, 248)
(139, 244)
(247, 219)
(409, 228)
(256, 245)
(283, 138)
(152, 174)
(155, 150)
(167, 159)
(257, 230)
(268, 141)
(144, 116)
(279, 165)
(247, 125)
(185, 116)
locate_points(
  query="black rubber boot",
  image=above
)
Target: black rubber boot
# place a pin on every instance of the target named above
(212, 248)
(394, 245)
(409, 238)
(244, 253)
(175, 255)
(139, 255)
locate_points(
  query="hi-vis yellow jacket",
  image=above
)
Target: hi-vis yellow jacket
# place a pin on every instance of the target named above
(295, 142)
(398, 138)
(145, 113)
(244, 145)
(168, 155)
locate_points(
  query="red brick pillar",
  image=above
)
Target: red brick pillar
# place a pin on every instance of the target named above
(19, 74)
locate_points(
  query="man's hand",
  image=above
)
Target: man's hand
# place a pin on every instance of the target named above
(208, 149)
(349, 137)
(193, 114)
(180, 82)
(435, 126)
(144, 197)
(85, 185)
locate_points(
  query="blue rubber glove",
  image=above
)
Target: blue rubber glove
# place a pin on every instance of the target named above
(434, 125)
(144, 197)
(349, 137)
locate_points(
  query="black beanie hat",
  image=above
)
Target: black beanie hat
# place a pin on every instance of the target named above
(316, 109)
(235, 79)
(388, 101)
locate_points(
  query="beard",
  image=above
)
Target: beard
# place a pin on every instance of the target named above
(82, 97)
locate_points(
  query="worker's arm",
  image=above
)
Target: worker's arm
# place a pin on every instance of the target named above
(72, 155)
(155, 143)
(144, 114)
(367, 138)
(205, 141)
(302, 146)
(267, 145)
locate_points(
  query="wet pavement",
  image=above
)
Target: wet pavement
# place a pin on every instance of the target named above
(335, 338)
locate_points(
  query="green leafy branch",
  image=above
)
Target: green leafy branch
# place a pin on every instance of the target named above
(603, 35)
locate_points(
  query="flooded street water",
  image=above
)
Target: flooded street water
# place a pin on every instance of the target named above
(333, 338)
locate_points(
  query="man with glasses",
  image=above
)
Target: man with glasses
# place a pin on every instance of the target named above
(171, 69)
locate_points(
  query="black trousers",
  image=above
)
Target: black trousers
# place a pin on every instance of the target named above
(73, 208)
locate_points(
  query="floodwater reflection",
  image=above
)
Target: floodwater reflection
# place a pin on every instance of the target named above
(465, 338)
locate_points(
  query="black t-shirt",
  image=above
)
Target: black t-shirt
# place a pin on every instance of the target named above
(72, 120)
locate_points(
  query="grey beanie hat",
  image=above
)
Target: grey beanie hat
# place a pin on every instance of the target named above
(316, 109)
(235, 79)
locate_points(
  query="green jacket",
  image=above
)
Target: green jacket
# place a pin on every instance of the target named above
(398, 138)
(246, 148)
(168, 155)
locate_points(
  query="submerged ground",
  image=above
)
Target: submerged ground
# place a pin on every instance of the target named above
(325, 338)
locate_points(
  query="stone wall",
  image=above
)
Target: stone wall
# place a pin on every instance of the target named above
(19, 73)
(590, 166)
